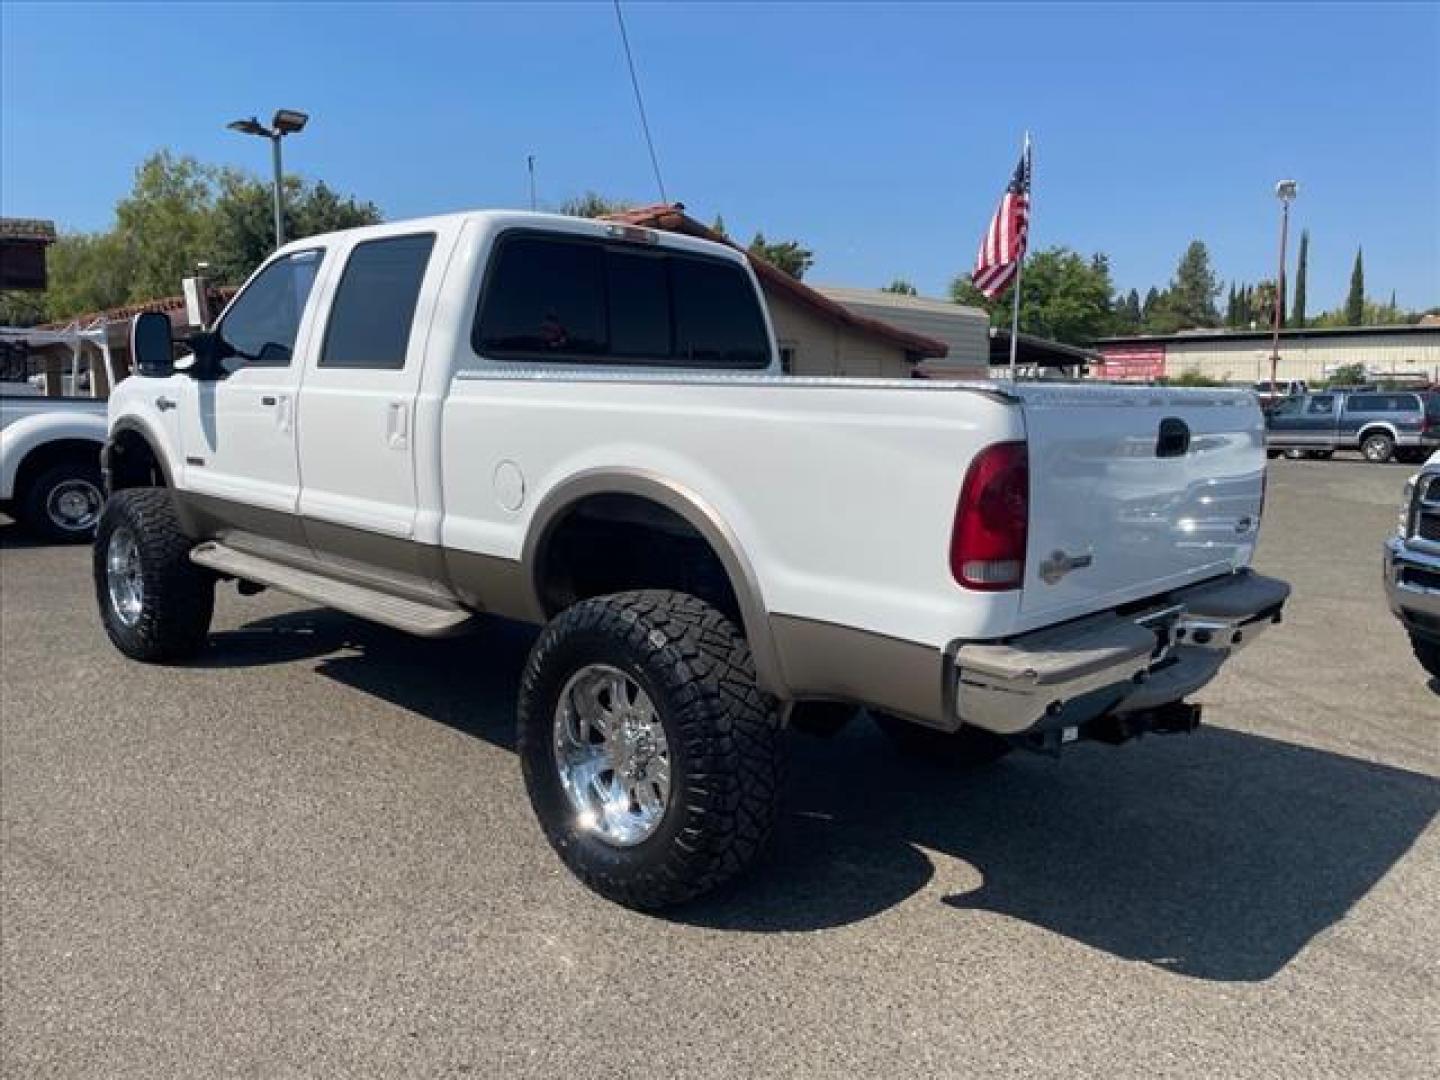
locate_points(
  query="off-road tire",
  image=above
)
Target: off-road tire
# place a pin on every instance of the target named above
(723, 734)
(35, 506)
(1378, 448)
(969, 746)
(179, 597)
(1427, 651)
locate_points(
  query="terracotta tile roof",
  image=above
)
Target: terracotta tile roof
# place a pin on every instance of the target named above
(672, 218)
(219, 296)
(14, 228)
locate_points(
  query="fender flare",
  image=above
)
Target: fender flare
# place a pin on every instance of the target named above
(1377, 425)
(158, 446)
(695, 511)
(28, 434)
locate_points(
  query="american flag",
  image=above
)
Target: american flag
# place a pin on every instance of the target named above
(1004, 244)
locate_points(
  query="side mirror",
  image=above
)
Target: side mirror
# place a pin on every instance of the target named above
(152, 348)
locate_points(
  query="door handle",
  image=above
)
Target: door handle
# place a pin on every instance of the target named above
(164, 404)
(398, 425)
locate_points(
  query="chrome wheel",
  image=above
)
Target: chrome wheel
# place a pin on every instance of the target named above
(611, 752)
(123, 578)
(74, 505)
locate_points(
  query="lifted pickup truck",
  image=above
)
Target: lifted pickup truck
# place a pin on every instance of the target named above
(584, 425)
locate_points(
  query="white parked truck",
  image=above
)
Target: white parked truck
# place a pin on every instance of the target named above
(50, 463)
(584, 425)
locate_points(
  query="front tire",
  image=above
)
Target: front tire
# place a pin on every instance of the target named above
(63, 503)
(1378, 448)
(1427, 651)
(651, 757)
(155, 603)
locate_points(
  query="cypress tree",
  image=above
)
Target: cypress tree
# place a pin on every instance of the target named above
(1355, 302)
(1298, 318)
(1230, 306)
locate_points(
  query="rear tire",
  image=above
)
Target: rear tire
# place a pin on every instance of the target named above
(155, 603)
(1427, 651)
(969, 746)
(635, 685)
(62, 504)
(1378, 448)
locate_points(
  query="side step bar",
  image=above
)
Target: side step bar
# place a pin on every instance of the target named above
(412, 616)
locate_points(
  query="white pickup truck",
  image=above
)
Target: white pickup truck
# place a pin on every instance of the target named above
(50, 462)
(584, 425)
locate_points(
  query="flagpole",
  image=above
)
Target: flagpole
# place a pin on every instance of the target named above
(1020, 266)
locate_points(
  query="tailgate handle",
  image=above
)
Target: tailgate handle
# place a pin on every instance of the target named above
(1174, 440)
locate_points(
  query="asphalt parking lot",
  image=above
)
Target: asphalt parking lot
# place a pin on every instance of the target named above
(310, 854)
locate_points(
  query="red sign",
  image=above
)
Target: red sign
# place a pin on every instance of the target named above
(1132, 363)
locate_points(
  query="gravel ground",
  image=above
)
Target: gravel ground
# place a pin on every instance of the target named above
(310, 854)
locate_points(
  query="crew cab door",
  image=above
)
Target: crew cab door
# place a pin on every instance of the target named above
(357, 406)
(238, 432)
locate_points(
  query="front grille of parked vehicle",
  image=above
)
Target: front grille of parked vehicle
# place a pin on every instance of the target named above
(1426, 516)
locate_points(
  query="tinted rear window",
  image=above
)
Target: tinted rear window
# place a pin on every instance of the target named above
(375, 304)
(583, 300)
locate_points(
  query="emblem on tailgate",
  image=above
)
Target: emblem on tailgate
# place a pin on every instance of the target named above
(1059, 564)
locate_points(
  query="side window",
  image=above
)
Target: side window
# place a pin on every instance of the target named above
(544, 298)
(1288, 407)
(1321, 406)
(717, 321)
(1365, 403)
(548, 297)
(261, 325)
(374, 306)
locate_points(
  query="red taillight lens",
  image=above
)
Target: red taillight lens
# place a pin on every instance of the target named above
(987, 546)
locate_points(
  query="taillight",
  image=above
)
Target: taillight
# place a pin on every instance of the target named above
(987, 545)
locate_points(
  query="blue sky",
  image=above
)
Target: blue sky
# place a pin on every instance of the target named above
(881, 136)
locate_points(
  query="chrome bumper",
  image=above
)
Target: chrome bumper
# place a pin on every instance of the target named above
(1067, 675)
(1412, 585)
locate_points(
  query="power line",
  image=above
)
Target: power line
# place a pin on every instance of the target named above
(640, 103)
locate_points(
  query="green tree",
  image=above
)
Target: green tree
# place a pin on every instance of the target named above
(1262, 304)
(787, 255)
(902, 287)
(1355, 301)
(1231, 306)
(165, 223)
(1151, 307)
(718, 226)
(245, 219)
(1349, 375)
(1194, 289)
(1063, 296)
(1297, 317)
(594, 205)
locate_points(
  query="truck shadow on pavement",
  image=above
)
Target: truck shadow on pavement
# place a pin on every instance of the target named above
(1217, 856)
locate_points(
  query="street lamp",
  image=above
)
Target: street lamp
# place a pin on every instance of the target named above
(284, 122)
(1285, 191)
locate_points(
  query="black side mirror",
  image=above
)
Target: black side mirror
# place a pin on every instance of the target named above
(209, 350)
(152, 348)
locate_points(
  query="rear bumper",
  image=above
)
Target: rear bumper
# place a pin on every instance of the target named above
(1066, 676)
(1412, 586)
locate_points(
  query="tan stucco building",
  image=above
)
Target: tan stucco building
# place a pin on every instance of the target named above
(1387, 352)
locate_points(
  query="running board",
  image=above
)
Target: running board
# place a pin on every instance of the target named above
(412, 616)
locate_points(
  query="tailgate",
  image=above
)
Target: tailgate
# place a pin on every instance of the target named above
(1135, 490)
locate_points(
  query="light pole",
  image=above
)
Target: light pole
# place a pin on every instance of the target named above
(284, 122)
(1285, 190)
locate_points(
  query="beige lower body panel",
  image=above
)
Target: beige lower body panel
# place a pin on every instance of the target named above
(827, 661)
